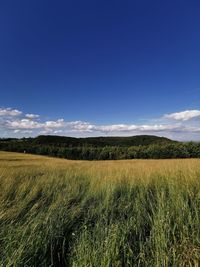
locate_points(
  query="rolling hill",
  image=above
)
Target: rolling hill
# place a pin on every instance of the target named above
(100, 141)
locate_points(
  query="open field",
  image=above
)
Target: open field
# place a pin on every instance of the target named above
(56, 212)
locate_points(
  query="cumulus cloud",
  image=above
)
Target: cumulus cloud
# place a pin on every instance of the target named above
(183, 115)
(80, 126)
(179, 126)
(129, 128)
(30, 124)
(22, 124)
(133, 127)
(9, 112)
(54, 124)
(32, 116)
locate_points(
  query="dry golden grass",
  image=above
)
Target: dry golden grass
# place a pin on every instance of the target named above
(56, 212)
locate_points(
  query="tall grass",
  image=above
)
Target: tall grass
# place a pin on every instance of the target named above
(99, 214)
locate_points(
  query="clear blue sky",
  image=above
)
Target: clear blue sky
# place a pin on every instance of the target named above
(103, 62)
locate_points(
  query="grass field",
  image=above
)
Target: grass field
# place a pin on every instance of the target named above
(56, 212)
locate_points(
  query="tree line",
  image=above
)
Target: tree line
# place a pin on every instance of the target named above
(87, 152)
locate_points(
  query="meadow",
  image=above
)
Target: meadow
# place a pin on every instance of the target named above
(56, 212)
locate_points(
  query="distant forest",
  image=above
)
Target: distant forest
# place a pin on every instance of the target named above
(103, 148)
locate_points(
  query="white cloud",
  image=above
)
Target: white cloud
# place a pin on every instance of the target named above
(179, 127)
(129, 128)
(30, 124)
(32, 116)
(54, 124)
(183, 115)
(80, 126)
(9, 112)
(22, 124)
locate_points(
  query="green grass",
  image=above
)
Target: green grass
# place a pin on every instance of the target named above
(56, 212)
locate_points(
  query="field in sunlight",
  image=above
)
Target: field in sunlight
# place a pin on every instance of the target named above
(56, 212)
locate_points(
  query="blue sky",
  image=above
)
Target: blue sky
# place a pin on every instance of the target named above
(82, 66)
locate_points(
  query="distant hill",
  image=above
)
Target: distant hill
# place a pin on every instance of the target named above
(103, 148)
(138, 140)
